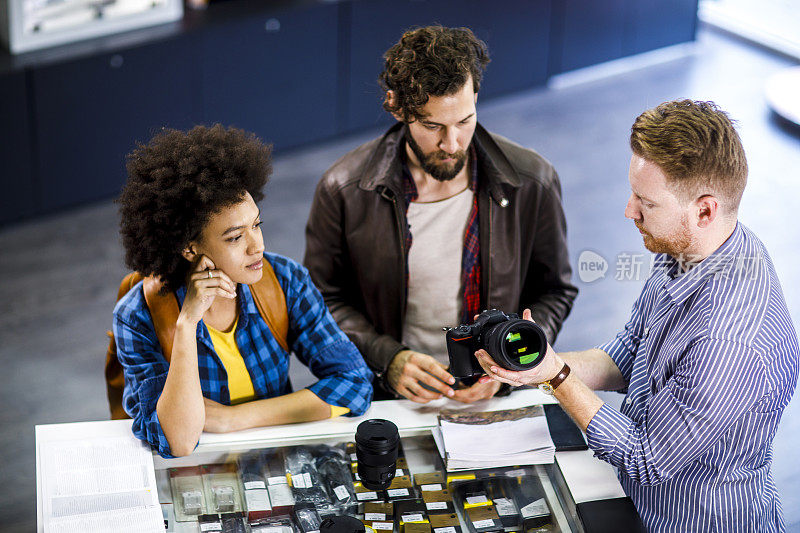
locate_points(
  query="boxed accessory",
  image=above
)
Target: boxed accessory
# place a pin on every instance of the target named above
(307, 518)
(306, 482)
(483, 519)
(438, 502)
(379, 516)
(188, 496)
(445, 523)
(400, 489)
(429, 481)
(410, 512)
(280, 493)
(221, 485)
(256, 496)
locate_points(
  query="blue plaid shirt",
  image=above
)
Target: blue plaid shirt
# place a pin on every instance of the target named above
(344, 378)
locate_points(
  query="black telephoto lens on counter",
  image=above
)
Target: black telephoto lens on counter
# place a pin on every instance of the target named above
(341, 524)
(377, 443)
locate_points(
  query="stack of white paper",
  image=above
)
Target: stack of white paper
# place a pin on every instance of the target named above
(492, 439)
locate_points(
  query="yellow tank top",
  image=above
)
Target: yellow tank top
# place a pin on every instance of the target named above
(240, 386)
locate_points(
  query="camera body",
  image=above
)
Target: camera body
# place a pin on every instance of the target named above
(515, 344)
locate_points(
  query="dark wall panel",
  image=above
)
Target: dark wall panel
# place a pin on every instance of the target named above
(274, 74)
(90, 113)
(19, 196)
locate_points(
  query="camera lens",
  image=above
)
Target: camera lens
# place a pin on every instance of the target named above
(341, 524)
(516, 344)
(377, 443)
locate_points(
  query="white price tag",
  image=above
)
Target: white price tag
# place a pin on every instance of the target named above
(353, 457)
(369, 517)
(257, 500)
(394, 493)
(432, 486)
(448, 529)
(515, 473)
(480, 524)
(211, 526)
(432, 506)
(475, 500)
(386, 526)
(413, 517)
(341, 492)
(399, 472)
(505, 506)
(356, 476)
(277, 480)
(536, 508)
(250, 485)
(367, 496)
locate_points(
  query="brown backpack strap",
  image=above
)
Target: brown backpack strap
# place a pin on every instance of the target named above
(164, 310)
(271, 302)
(115, 378)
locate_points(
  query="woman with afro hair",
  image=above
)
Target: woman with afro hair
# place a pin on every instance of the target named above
(189, 219)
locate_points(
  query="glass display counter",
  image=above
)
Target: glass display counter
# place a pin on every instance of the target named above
(227, 471)
(423, 497)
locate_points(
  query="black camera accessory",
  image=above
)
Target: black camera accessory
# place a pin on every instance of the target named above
(515, 344)
(377, 443)
(342, 524)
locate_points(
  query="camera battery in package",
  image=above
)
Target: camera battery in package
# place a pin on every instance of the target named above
(483, 519)
(379, 516)
(334, 467)
(305, 479)
(532, 502)
(273, 524)
(223, 523)
(501, 492)
(188, 496)
(400, 489)
(221, 485)
(363, 494)
(429, 481)
(274, 471)
(417, 527)
(410, 512)
(438, 501)
(445, 523)
(307, 518)
(256, 497)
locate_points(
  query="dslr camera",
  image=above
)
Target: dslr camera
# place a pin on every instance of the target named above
(515, 344)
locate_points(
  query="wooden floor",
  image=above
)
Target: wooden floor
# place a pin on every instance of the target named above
(59, 274)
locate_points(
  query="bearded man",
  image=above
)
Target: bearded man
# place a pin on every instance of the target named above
(434, 221)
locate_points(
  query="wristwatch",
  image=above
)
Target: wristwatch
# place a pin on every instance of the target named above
(549, 386)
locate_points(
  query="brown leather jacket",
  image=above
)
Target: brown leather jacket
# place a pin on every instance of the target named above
(354, 240)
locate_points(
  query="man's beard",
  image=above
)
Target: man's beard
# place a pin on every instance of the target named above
(674, 245)
(430, 162)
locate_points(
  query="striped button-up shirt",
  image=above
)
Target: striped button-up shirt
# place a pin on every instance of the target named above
(344, 378)
(710, 358)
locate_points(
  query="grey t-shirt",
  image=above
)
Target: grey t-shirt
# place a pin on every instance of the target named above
(435, 291)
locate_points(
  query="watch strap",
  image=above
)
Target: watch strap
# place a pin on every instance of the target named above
(551, 385)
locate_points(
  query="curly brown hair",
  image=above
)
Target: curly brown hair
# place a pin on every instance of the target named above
(430, 61)
(175, 183)
(696, 145)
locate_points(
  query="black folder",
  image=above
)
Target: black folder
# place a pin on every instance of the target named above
(566, 436)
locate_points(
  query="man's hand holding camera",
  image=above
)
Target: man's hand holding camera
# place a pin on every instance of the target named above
(546, 370)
